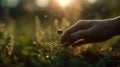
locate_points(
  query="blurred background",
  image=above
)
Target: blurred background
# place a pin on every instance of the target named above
(30, 32)
(35, 18)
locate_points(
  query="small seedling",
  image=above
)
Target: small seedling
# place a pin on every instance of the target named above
(60, 31)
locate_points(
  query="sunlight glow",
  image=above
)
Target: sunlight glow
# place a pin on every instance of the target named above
(92, 1)
(64, 2)
(42, 3)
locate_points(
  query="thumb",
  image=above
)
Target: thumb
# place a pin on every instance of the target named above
(80, 43)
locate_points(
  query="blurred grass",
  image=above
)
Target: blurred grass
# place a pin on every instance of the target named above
(27, 40)
(46, 51)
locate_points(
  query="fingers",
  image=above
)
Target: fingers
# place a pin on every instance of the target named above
(65, 36)
(81, 34)
(80, 25)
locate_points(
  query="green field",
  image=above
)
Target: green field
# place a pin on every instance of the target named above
(30, 34)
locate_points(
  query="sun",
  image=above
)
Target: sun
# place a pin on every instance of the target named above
(64, 3)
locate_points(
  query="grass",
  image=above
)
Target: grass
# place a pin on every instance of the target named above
(27, 53)
(46, 51)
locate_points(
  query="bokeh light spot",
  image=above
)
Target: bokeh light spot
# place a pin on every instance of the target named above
(64, 2)
(92, 1)
(42, 3)
(10, 3)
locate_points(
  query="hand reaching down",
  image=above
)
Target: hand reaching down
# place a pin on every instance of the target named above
(89, 31)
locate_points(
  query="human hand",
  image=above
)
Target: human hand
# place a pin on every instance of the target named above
(88, 31)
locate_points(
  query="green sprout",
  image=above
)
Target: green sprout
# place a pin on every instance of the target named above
(60, 31)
